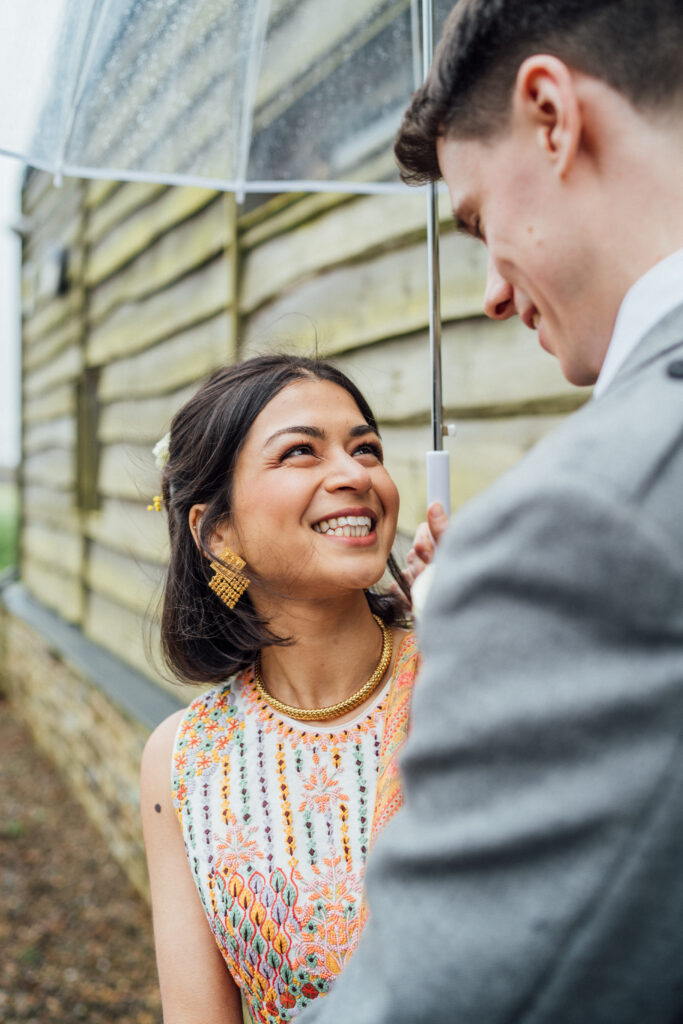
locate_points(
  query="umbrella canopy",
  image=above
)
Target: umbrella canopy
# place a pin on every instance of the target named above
(241, 95)
(249, 96)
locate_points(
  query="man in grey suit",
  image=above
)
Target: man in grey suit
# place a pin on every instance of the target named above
(535, 872)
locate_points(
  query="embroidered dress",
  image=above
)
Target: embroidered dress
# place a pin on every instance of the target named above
(277, 819)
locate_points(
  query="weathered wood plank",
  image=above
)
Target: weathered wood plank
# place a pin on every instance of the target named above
(55, 468)
(52, 587)
(137, 232)
(128, 528)
(145, 419)
(64, 367)
(172, 364)
(52, 344)
(60, 401)
(128, 471)
(488, 368)
(59, 219)
(481, 451)
(130, 582)
(116, 205)
(58, 548)
(133, 638)
(98, 191)
(380, 297)
(284, 213)
(356, 230)
(267, 209)
(59, 433)
(52, 507)
(118, 630)
(53, 315)
(176, 253)
(136, 325)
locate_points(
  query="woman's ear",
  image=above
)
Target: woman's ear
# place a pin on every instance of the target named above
(194, 521)
(545, 95)
(222, 536)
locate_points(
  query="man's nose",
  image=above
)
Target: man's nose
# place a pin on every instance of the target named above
(499, 296)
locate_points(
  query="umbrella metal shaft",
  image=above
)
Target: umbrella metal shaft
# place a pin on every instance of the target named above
(434, 316)
(434, 290)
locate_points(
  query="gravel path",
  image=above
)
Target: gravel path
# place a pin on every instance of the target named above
(76, 938)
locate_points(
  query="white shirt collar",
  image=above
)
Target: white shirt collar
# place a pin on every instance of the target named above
(647, 302)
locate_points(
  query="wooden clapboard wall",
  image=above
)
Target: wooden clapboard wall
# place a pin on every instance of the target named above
(163, 284)
(52, 359)
(149, 310)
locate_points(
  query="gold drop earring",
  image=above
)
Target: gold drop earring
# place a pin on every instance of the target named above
(228, 581)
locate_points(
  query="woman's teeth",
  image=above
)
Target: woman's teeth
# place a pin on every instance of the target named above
(345, 526)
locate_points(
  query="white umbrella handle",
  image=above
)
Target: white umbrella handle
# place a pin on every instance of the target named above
(439, 479)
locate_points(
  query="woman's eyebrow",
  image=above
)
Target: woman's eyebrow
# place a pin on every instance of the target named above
(307, 431)
(362, 429)
(359, 431)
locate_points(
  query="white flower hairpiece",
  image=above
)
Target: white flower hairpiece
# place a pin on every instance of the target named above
(162, 451)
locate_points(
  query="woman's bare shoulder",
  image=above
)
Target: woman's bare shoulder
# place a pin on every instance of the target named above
(155, 769)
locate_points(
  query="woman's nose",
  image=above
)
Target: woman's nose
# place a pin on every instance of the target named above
(345, 471)
(499, 296)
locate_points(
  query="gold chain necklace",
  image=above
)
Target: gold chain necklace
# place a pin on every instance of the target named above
(344, 706)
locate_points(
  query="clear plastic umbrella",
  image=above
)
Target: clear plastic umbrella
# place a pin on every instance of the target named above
(239, 95)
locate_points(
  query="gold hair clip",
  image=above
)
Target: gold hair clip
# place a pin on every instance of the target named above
(157, 503)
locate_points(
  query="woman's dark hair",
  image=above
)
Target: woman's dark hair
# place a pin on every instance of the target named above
(202, 640)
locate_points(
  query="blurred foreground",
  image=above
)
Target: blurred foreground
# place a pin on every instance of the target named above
(76, 937)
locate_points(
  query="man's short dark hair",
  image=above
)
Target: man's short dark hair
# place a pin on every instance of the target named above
(634, 46)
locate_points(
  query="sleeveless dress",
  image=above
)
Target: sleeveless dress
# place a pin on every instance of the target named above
(277, 819)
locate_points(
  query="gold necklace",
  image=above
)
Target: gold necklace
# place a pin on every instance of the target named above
(344, 706)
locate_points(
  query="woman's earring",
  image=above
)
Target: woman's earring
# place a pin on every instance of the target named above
(228, 581)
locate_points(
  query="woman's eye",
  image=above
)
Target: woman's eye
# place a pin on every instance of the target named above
(369, 448)
(297, 449)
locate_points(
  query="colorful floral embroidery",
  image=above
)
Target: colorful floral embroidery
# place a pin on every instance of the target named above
(389, 797)
(277, 820)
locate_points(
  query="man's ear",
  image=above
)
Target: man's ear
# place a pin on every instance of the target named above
(222, 537)
(545, 96)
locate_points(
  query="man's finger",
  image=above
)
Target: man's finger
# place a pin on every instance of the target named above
(423, 545)
(437, 520)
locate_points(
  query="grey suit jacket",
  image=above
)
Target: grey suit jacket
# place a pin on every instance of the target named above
(535, 873)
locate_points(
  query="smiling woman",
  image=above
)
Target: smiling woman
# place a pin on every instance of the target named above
(281, 518)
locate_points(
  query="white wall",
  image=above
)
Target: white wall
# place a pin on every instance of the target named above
(10, 176)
